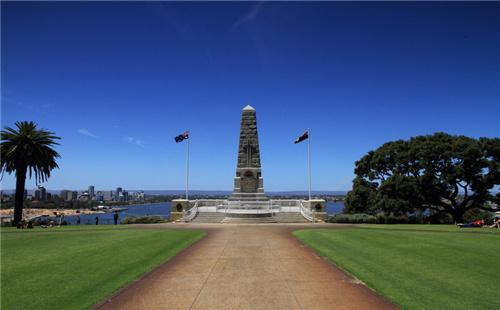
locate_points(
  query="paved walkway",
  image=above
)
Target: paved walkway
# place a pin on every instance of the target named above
(246, 267)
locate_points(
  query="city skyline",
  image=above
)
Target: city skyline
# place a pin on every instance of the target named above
(40, 193)
(120, 88)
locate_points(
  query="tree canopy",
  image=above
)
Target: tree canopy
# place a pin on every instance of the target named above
(440, 172)
(27, 148)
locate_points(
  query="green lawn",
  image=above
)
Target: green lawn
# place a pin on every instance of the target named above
(75, 267)
(418, 266)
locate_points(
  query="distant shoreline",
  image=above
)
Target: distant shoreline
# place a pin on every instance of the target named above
(203, 192)
(29, 213)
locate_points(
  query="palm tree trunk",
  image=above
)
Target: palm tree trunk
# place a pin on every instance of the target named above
(19, 201)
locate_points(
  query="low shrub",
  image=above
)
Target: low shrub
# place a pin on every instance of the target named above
(416, 219)
(356, 218)
(396, 219)
(143, 220)
(440, 218)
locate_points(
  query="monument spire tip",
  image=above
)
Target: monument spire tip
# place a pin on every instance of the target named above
(248, 107)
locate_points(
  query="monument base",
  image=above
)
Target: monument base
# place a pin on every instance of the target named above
(179, 205)
(320, 216)
(248, 197)
(256, 208)
(248, 185)
(176, 216)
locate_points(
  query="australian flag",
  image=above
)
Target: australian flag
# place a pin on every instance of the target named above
(304, 136)
(183, 136)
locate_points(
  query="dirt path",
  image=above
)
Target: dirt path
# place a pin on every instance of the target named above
(246, 267)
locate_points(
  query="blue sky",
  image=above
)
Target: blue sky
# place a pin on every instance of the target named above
(117, 81)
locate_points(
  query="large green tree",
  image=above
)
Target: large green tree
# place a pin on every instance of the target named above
(440, 172)
(27, 149)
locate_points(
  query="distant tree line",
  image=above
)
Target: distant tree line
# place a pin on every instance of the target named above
(439, 173)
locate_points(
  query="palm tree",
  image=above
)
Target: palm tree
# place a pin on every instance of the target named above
(24, 149)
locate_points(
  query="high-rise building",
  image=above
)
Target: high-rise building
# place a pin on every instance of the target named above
(65, 195)
(37, 194)
(107, 195)
(91, 192)
(118, 193)
(40, 193)
(74, 195)
(99, 196)
(44, 194)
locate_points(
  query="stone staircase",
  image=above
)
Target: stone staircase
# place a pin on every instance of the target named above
(279, 217)
(249, 220)
(208, 217)
(290, 217)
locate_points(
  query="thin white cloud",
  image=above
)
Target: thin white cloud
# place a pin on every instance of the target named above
(250, 16)
(133, 141)
(87, 133)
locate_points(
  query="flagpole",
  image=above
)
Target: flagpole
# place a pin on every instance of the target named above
(309, 160)
(187, 165)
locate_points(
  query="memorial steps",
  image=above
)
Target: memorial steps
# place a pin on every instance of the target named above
(281, 217)
(270, 211)
(208, 217)
(290, 217)
(249, 220)
(221, 217)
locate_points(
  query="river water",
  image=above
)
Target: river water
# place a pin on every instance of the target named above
(157, 209)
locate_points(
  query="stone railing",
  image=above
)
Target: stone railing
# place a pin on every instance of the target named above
(286, 205)
(306, 212)
(190, 214)
(257, 207)
(285, 202)
(251, 207)
(241, 204)
(210, 202)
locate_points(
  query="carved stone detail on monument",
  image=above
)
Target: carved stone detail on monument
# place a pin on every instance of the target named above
(248, 150)
(248, 183)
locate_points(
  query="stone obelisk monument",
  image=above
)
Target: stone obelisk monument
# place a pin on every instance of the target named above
(248, 183)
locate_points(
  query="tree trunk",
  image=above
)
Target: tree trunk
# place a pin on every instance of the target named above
(19, 200)
(458, 216)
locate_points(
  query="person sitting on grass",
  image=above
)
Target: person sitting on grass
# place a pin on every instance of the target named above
(476, 223)
(496, 223)
(21, 224)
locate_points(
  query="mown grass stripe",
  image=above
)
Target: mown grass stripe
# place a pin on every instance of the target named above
(417, 269)
(76, 268)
